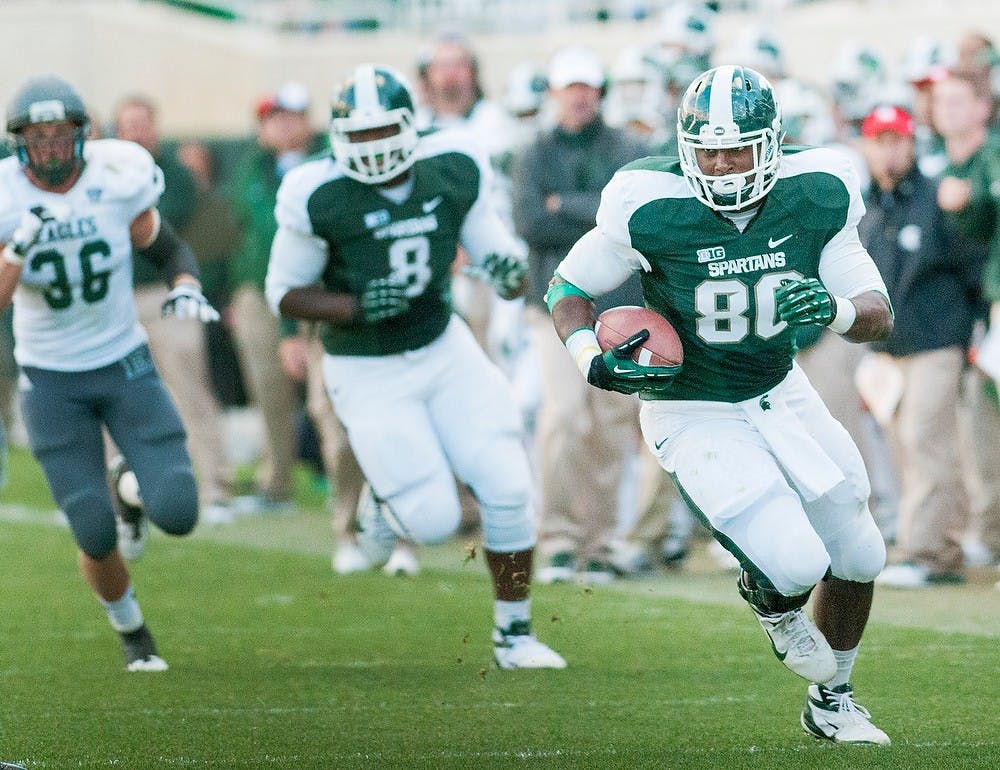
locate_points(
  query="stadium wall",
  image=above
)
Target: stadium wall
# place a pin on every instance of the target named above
(206, 74)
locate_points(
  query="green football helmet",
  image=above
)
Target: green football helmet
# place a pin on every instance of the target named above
(374, 97)
(47, 99)
(730, 107)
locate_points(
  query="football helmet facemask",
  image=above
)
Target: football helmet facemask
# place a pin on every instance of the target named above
(374, 97)
(47, 99)
(730, 107)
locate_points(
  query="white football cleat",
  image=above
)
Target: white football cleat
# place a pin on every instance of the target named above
(375, 537)
(348, 557)
(130, 518)
(833, 714)
(794, 637)
(799, 644)
(216, 514)
(517, 647)
(560, 569)
(402, 562)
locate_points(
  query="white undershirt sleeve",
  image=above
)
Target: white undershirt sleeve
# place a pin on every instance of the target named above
(297, 259)
(598, 264)
(847, 269)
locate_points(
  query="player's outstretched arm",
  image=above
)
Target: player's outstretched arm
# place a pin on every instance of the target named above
(314, 303)
(866, 317)
(873, 320)
(176, 262)
(571, 312)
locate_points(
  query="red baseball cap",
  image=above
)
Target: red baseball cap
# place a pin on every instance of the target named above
(291, 97)
(888, 117)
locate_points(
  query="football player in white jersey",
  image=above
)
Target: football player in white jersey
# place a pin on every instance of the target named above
(365, 244)
(71, 212)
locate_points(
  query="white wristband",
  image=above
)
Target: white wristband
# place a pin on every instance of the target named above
(583, 346)
(12, 256)
(845, 316)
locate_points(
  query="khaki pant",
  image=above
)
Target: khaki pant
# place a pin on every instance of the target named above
(256, 334)
(980, 427)
(179, 351)
(583, 438)
(933, 505)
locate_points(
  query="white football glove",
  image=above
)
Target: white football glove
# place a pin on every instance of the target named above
(504, 272)
(187, 301)
(27, 232)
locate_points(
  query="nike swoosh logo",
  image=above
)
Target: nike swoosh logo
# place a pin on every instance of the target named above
(432, 204)
(661, 442)
(771, 243)
(619, 370)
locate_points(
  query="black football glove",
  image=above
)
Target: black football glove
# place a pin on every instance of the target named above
(615, 370)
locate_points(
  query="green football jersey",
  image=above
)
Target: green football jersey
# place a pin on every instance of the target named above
(371, 236)
(716, 284)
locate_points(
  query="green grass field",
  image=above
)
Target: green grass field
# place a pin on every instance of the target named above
(278, 663)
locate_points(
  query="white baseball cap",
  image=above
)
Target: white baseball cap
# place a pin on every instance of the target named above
(575, 64)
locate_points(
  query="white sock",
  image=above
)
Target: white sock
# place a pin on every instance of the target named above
(124, 613)
(504, 613)
(845, 664)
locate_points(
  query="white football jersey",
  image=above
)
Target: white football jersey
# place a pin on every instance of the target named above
(74, 308)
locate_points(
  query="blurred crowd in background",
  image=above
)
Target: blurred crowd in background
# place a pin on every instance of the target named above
(220, 196)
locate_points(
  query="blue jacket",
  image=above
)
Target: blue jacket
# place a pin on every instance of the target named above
(933, 275)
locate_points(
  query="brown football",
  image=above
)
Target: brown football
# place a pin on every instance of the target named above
(617, 324)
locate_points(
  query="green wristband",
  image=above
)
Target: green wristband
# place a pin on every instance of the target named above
(563, 289)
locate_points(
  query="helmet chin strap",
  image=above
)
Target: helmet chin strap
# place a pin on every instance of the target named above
(729, 185)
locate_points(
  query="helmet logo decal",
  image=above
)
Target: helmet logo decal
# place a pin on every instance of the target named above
(46, 111)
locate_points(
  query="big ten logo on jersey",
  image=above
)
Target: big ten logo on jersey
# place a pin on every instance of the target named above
(375, 219)
(712, 254)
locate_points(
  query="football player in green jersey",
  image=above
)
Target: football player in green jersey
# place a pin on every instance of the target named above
(365, 244)
(739, 243)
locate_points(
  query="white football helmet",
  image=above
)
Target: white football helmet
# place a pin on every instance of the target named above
(730, 107)
(373, 97)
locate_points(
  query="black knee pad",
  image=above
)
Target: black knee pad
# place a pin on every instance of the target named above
(172, 504)
(763, 597)
(92, 521)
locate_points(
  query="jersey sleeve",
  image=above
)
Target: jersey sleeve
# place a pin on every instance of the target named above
(129, 174)
(847, 269)
(603, 259)
(598, 264)
(483, 230)
(10, 215)
(291, 211)
(845, 266)
(298, 255)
